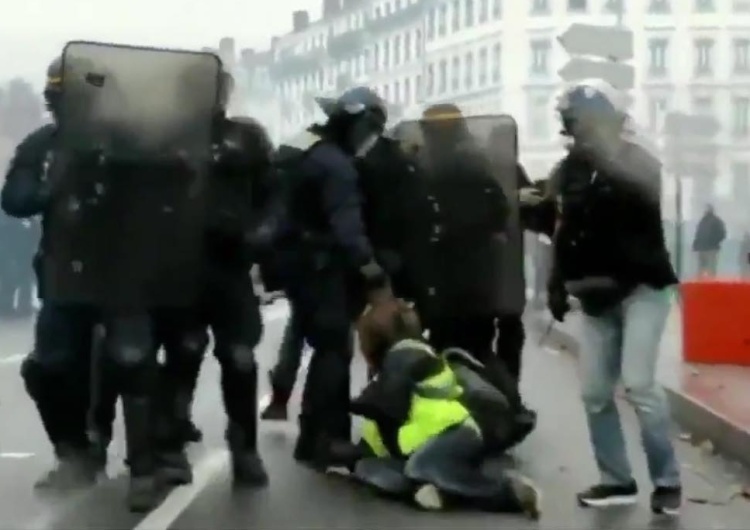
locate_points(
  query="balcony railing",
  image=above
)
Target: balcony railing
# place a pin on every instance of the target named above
(347, 44)
(397, 19)
(297, 65)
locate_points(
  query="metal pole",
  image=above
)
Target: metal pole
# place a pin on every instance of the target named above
(678, 244)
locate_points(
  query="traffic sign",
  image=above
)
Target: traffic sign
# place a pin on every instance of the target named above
(619, 75)
(683, 125)
(608, 42)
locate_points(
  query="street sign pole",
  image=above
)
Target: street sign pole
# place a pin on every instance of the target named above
(691, 152)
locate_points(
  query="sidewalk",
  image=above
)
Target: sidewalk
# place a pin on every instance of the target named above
(711, 402)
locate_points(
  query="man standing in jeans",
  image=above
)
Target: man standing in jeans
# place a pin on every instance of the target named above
(709, 235)
(610, 254)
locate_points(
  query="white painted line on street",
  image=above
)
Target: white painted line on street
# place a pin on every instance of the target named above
(16, 456)
(12, 359)
(179, 499)
(264, 401)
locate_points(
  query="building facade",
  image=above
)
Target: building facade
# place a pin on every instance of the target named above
(502, 56)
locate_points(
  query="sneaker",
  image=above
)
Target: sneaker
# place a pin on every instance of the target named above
(603, 495)
(428, 497)
(666, 500)
(528, 495)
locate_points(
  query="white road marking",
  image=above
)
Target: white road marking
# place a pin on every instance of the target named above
(179, 499)
(12, 359)
(16, 456)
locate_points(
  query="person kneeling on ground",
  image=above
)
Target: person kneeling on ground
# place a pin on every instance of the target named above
(421, 441)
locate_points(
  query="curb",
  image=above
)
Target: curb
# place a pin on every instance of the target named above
(694, 417)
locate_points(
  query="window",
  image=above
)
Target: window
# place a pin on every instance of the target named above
(376, 57)
(540, 49)
(455, 74)
(386, 93)
(407, 91)
(397, 50)
(740, 117)
(659, 7)
(657, 107)
(658, 57)
(577, 5)
(539, 117)
(396, 92)
(407, 47)
(442, 77)
(483, 67)
(469, 71)
(469, 13)
(484, 11)
(614, 6)
(540, 7)
(703, 54)
(741, 179)
(418, 44)
(705, 6)
(430, 88)
(386, 54)
(496, 63)
(703, 105)
(456, 15)
(431, 23)
(442, 21)
(497, 9)
(741, 56)
(418, 86)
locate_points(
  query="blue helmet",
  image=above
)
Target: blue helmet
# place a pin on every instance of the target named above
(593, 100)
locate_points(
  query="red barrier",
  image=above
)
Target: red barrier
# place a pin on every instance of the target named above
(716, 322)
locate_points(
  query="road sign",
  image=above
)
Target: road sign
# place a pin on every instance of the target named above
(607, 42)
(619, 75)
(683, 125)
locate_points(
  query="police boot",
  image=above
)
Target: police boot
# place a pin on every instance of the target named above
(276, 410)
(172, 465)
(240, 392)
(308, 439)
(142, 493)
(75, 469)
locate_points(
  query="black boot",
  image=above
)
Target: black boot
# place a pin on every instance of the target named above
(276, 410)
(184, 404)
(248, 470)
(75, 469)
(307, 441)
(170, 410)
(240, 393)
(142, 491)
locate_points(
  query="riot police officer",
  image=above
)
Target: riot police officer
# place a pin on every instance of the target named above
(334, 264)
(56, 372)
(238, 198)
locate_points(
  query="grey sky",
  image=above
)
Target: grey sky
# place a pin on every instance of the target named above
(33, 31)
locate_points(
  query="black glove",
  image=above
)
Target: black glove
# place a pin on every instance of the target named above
(557, 302)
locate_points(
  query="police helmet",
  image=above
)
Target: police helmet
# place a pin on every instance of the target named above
(591, 103)
(53, 84)
(226, 87)
(357, 102)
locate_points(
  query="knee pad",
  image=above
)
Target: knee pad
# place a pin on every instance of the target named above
(193, 345)
(129, 356)
(240, 357)
(34, 376)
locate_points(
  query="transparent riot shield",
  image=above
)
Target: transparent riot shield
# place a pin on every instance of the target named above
(469, 249)
(126, 224)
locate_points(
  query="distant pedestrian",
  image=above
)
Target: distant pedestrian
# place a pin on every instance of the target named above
(709, 236)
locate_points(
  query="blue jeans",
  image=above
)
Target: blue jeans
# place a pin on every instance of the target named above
(623, 343)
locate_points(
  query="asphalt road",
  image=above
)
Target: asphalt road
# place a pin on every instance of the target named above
(557, 456)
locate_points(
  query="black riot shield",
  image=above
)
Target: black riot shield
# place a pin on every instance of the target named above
(126, 223)
(464, 237)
